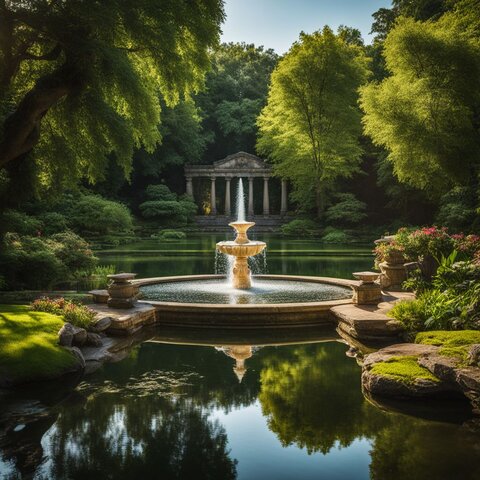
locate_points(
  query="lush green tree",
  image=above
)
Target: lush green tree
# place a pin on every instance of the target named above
(347, 211)
(426, 112)
(81, 80)
(235, 92)
(311, 124)
(182, 142)
(457, 210)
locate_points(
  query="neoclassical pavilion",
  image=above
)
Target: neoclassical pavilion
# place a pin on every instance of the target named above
(241, 164)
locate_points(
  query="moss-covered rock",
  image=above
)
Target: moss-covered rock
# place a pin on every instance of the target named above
(445, 338)
(394, 372)
(404, 369)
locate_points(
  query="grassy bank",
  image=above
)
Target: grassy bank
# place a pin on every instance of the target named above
(28, 344)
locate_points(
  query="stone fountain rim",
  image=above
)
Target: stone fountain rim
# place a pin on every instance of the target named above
(264, 308)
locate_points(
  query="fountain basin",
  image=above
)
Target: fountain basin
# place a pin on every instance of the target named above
(283, 313)
(249, 249)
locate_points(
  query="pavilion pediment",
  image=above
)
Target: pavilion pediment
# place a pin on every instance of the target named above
(241, 160)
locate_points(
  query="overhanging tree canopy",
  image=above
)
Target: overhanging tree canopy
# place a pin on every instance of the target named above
(80, 80)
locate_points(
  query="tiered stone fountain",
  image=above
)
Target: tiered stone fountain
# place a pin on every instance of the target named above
(233, 301)
(241, 248)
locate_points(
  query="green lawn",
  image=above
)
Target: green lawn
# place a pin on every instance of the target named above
(28, 344)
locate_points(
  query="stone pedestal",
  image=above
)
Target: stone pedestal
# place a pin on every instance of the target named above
(121, 291)
(392, 276)
(241, 274)
(368, 292)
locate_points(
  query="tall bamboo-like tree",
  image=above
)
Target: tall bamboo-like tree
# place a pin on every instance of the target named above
(311, 124)
(427, 112)
(81, 79)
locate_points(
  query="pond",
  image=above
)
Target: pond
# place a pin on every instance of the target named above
(196, 255)
(185, 405)
(180, 412)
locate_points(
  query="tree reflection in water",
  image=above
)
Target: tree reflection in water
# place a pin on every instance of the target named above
(152, 415)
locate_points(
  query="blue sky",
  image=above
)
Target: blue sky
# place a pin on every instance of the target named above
(277, 23)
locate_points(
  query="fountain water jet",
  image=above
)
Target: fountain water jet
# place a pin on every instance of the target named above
(241, 248)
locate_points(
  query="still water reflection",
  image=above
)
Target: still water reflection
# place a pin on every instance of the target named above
(196, 255)
(176, 411)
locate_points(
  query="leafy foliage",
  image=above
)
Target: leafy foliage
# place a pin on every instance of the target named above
(347, 211)
(96, 215)
(236, 91)
(41, 262)
(424, 112)
(166, 207)
(76, 314)
(310, 126)
(300, 228)
(334, 235)
(109, 61)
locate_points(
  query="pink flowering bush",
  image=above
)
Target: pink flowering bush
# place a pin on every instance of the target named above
(76, 314)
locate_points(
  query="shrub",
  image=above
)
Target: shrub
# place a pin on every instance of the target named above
(19, 222)
(300, 227)
(97, 278)
(348, 211)
(160, 192)
(164, 206)
(29, 262)
(41, 262)
(423, 242)
(78, 315)
(172, 235)
(99, 216)
(332, 235)
(457, 210)
(447, 306)
(73, 251)
(410, 313)
(53, 222)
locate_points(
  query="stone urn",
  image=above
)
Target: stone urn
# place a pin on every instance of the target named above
(393, 271)
(122, 293)
(368, 292)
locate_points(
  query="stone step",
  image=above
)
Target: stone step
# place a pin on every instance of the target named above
(366, 323)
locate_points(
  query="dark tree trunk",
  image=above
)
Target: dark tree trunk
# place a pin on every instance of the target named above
(320, 201)
(21, 130)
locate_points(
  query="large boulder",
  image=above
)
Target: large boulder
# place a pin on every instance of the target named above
(80, 361)
(79, 336)
(93, 340)
(394, 372)
(65, 335)
(100, 325)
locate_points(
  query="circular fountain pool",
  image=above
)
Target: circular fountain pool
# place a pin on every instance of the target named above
(274, 300)
(263, 291)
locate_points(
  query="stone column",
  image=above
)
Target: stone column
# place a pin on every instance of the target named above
(228, 210)
(213, 198)
(266, 197)
(284, 204)
(250, 197)
(189, 187)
